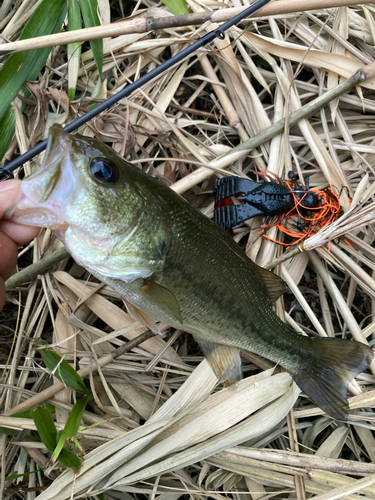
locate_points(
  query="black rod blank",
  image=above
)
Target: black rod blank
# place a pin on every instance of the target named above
(6, 172)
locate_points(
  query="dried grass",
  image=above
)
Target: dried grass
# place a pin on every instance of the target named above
(161, 425)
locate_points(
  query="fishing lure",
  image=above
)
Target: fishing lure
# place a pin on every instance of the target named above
(276, 200)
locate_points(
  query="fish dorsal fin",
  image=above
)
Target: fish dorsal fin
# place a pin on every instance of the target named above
(274, 284)
(163, 298)
(224, 360)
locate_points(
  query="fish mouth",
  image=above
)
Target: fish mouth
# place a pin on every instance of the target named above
(44, 194)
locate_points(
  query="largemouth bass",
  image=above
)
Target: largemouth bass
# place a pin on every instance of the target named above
(174, 264)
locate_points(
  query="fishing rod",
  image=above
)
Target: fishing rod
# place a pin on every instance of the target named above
(6, 172)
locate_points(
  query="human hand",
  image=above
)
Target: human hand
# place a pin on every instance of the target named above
(11, 235)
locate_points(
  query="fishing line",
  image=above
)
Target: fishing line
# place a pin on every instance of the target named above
(6, 172)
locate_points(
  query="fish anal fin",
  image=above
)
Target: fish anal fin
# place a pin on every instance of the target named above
(163, 298)
(276, 286)
(330, 366)
(224, 360)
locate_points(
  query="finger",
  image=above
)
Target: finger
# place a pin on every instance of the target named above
(8, 256)
(18, 232)
(8, 193)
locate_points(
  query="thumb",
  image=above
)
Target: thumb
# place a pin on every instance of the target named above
(8, 193)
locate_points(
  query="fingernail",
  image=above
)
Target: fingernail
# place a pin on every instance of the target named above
(8, 185)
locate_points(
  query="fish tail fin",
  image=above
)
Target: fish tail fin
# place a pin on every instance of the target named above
(330, 366)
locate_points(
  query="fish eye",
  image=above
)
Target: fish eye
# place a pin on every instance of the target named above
(103, 171)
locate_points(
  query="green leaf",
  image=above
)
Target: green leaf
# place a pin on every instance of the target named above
(7, 129)
(29, 413)
(63, 371)
(47, 18)
(74, 49)
(48, 434)
(89, 9)
(8, 432)
(58, 436)
(45, 426)
(69, 459)
(72, 425)
(178, 7)
(51, 438)
(15, 476)
(24, 414)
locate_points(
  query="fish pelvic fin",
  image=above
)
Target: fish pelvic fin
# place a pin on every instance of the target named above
(162, 297)
(224, 360)
(326, 374)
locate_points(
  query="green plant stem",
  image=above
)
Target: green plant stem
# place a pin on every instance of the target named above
(291, 252)
(243, 149)
(301, 113)
(32, 271)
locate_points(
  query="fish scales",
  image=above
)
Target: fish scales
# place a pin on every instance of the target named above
(174, 264)
(203, 266)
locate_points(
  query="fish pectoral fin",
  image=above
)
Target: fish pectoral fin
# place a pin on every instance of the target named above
(276, 286)
(224, 360)
(329, 367)
(163, 298)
